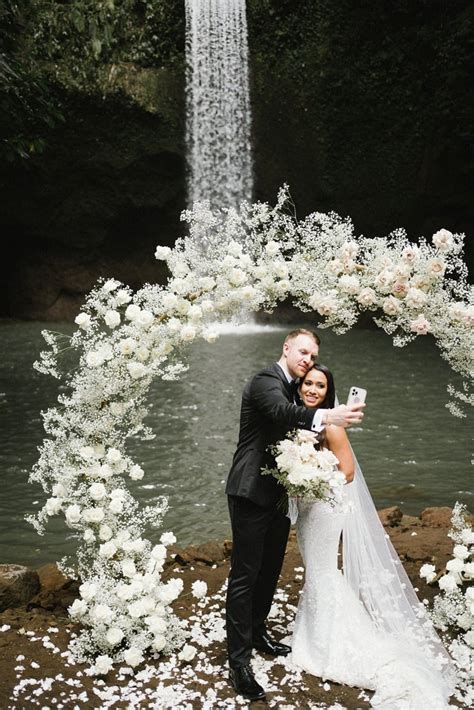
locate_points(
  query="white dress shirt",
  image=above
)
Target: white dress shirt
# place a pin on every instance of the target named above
(317, 424)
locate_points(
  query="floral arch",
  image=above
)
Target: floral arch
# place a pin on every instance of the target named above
(232, 263)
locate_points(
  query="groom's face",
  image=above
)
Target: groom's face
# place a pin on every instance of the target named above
(300, 354)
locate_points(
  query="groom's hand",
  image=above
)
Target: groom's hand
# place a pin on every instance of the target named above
(345, 416)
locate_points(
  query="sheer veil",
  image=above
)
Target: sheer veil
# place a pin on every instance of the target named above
(374, 572)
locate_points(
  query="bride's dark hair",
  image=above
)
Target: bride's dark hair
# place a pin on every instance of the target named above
(330, 397)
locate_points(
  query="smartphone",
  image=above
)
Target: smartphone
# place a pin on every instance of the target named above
(356, 395)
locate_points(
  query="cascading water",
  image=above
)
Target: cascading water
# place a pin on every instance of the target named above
(217, 102)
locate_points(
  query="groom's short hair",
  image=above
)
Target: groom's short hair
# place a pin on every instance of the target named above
(303, 331)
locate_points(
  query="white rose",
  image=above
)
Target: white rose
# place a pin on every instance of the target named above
(443, 240)
(158, 552)
(94, 358)
(88, 591)
(97, 491)
(199, 589)
(103, 664)
(53, 505)
(181, 269)
(470, 593)
(128, 567)
(461, 552)
(117, 408)
(399, 289)
(132, 312)
(349, 250)
(133, 656)
(410, 254)
(183, 307)
(162, 253)
(334, 267)
(428, 572)
(179, 286)
(156, 624)
(325, 305)
(384, 280)
(206, 283)
(114, 635)
(195, 313)
(456, 311)
(145, 318)
(469, 570)
(122, 297)
(455, 565)
(116, 505)
(420, 326)
(188, 333)
(105, 532)
(83, 320)
(367, 297)
(168, 538)
(447, 583)
(127, 346)
(136, 370)
(113, 455)
(136, 472)
(73, 514)
(93, 515)
(415, 298)
(110, 285)
(349, 284)
(112, 319)
(187, 653)
(272, 248)
(467, 537)
(78, 608)
(169, 300)
(391, 306)
(105, 471)
(102, 613)
(138, 609)
(436, 267)
(107, 550)
(237, 277)
(137, 545)
(159, 642)
(59, 490)
(124, 592)
(469, 638)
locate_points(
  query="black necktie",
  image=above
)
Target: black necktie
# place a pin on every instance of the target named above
(293, 389)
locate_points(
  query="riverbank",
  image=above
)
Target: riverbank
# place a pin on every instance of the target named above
(36, 671)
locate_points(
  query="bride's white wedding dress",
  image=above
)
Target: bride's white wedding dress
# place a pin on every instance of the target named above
(364, 627)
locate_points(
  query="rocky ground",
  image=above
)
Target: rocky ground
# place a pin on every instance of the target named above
(37, 672)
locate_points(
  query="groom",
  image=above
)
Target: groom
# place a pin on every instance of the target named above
(259, 528)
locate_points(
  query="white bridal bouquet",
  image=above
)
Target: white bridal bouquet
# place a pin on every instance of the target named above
(304, 471)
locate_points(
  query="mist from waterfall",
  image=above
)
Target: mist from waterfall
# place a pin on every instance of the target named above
(217, 102)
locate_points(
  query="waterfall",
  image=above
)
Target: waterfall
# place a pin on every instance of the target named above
(217, 102)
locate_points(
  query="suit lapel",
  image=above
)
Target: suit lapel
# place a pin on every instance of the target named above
(287, 385)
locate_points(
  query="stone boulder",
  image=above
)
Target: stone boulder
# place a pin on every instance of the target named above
(18, 584)
(51, 579)
(390, 517)
(437, 517)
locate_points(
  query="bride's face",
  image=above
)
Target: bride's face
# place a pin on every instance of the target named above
(313, 388)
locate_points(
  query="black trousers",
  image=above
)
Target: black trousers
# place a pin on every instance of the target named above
(259, 541)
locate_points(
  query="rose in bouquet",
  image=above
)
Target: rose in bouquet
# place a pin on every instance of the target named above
(304, 471)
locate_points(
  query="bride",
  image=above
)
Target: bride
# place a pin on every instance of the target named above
(362, 626)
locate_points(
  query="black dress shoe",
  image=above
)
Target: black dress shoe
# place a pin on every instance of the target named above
(244, 683)
(267, 645)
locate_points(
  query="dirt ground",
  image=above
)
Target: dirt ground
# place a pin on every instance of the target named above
(35, 669)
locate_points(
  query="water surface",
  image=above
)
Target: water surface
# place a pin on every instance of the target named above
(413, 452)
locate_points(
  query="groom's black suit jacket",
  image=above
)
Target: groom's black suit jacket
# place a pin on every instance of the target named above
(266, 416)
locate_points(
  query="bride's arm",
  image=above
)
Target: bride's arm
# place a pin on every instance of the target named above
(338, 442)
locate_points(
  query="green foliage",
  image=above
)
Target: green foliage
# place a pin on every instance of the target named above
(28, 110)
(80, 37)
